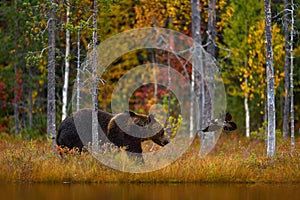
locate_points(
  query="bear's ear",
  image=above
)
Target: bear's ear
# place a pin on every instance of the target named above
(151, 118)
(131, 113)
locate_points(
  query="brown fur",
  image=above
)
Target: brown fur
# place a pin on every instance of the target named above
(126, 129)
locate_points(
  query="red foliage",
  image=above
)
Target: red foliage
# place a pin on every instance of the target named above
(2, 95)
(143, 98)
(2, 128)
(17, 88)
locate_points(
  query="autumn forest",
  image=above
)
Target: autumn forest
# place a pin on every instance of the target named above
(49, 42)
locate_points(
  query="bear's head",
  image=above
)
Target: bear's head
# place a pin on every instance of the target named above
(144, 127)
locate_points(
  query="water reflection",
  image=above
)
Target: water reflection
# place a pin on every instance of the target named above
(148, 191)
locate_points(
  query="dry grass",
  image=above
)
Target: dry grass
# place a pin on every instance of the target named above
(234, 159)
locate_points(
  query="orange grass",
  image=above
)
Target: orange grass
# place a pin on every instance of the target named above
(234, 159)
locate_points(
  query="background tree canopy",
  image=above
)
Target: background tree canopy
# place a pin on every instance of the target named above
(240, 54)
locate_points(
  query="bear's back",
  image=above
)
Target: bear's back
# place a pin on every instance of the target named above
(76, 130)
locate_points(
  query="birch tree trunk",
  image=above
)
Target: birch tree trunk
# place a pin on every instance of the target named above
(212, 27)
(192, 106)
(291, 75)
(67, 64)
(247, 113)
(154, 74)
(270, 80)
(197, 72)
(95, 82)
(285, 129)
(209, 89)
(51, 110)
(169, 94)
(78, 71)
(265, 118)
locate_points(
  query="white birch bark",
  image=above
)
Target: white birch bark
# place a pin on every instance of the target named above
(78, 72)
(211, 27)
(95, 146)
(271, 144)
(285, 129)
(51, 109)
(211, 49)
(154, 75)
(247, 113)
(67, 65)
(197, 72)
(291, 75)
(192, 103)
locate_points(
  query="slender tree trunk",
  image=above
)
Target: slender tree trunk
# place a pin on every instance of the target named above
(285, 129)
(212, 27)
(16, 101)
(246, 104)
(265, 119)
(16, 89)
(192, 120)
(247, 113)
(30, 117)
(291, 75)
(270, 80)
(169, 93)
(51, 110)
(30, 88)
(67, 64)
(154, 74)
(197, 62)
(209, 92)
(192, 106)
(95, 82)
(78, 72)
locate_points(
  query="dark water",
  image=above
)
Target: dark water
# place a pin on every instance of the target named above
(148, 191)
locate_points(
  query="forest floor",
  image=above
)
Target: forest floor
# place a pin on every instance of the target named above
(234, 159)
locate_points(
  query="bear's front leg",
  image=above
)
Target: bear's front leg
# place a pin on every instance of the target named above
(135, 152)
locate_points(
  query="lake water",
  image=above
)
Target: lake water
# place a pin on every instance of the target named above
(149, 191)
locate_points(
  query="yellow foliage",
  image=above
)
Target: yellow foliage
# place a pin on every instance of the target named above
(42, 68)
(250, 62)
(158, 12)
(251, 96)
(229, 12)
(34, 94)
(41, 82)
(261, 112)
(150, 13)
(257, 59)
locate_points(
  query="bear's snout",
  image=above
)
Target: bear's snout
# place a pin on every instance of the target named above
(165, 142)
(161, 139)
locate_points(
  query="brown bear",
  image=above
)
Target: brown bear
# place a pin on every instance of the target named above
(67, 135)
(127, 129)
